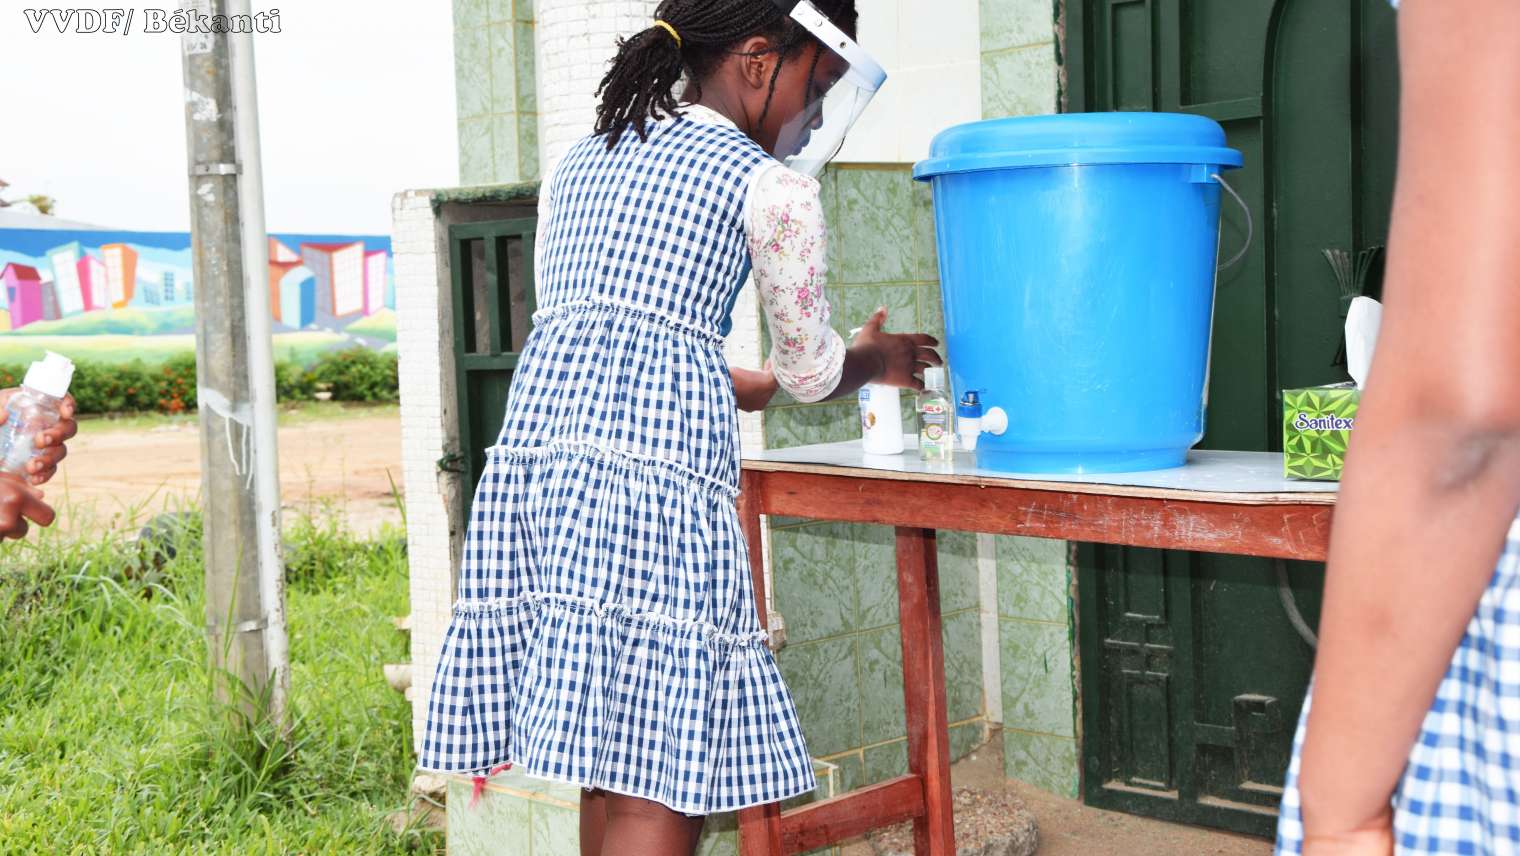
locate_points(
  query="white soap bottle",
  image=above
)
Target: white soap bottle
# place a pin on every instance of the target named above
(881, 431)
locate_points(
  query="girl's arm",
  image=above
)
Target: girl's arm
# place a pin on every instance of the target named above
(788, 243)
(1433, 476)
(754, 389)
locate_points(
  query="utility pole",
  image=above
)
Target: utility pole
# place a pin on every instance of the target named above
(245, 589)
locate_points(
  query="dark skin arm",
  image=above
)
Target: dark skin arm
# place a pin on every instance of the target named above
(1432, 480)
(875, 356)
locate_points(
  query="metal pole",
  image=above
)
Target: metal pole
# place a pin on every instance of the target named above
(245, 608)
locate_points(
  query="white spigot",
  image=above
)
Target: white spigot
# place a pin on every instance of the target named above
(995, 421)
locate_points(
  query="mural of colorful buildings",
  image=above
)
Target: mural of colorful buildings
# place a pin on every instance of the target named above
(316, 282)
(23, 294)
(121, 273)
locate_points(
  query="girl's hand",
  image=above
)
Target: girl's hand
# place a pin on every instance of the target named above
(50, 444)
(1373, 839)
(20, 502)
(754, 389)
(902, 356)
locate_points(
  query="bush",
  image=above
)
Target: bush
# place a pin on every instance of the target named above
(292, 382)
(357, 374)
(177, 385)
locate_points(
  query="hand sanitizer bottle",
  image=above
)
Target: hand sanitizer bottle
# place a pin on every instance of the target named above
(33, 410)
(936, 436)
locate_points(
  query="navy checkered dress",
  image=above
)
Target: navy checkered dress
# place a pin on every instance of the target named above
(1461, 789)
(605, 633)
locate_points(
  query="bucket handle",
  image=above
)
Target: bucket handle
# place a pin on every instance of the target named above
(1250, 225)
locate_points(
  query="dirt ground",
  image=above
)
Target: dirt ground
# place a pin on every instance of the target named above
(118, 475)
(1069, 828)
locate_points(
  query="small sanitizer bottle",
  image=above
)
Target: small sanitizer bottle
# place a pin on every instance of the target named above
(33, 410)
(936, 433)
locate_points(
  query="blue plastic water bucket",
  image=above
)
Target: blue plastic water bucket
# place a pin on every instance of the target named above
(1077, 259)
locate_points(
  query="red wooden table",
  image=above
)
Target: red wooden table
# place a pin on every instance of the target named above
(1290, 523)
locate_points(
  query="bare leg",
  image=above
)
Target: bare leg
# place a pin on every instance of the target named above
(593, 822)
(638, 827)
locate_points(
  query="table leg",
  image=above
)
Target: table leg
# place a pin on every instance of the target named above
(759, 827)
(924, 688)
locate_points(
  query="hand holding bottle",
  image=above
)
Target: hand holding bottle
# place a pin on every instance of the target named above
(36, 420)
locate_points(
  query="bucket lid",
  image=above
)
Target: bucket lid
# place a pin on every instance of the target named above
(1070, 139)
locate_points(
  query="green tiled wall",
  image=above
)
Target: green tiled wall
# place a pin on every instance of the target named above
(1019, 77)
(1034, 638)
(836, 584)
(494, 91)
(1018, 57)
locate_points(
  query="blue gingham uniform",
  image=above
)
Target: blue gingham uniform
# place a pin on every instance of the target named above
(605, 633)
(1461, 789)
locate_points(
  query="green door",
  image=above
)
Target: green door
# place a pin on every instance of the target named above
(1193, 672)
(493, 299)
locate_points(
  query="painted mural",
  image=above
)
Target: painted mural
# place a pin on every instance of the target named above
(121, 295)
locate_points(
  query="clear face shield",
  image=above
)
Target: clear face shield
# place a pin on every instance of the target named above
(842, 84)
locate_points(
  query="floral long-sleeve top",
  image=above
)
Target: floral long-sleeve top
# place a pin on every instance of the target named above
(788, 242)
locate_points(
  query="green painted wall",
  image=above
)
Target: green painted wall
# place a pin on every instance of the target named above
(494, 92)
(1035, 630)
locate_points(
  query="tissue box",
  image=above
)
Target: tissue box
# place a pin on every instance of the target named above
(1317, 425)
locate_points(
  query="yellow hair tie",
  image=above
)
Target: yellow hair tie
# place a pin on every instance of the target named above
(671, 30)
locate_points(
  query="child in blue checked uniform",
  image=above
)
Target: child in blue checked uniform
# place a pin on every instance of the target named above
(605, 632)
(1412, 743)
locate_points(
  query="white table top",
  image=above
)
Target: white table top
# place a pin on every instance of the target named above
(1248, 476)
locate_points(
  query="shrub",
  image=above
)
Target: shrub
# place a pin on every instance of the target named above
(292, 382)
(357, 374)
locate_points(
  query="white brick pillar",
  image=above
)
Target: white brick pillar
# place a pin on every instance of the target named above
(576, 40)
(424, 431)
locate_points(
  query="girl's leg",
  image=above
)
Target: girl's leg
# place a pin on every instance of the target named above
(638, 827)
(593, 821)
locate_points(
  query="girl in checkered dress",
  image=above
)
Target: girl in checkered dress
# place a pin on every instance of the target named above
(1412, 744)
(605, 632)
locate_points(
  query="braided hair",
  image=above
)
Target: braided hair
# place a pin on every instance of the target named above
(640, 85)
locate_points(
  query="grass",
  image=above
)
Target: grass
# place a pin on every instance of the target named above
(380, 325)
(131, 322)
(293, 413)
(110, 741)
(303, 347)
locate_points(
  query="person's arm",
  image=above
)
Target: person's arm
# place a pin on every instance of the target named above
(1432, 479)
(20, 502)
(788, 242)
(753, 389)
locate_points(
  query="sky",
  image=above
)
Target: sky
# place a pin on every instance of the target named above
(355, 104)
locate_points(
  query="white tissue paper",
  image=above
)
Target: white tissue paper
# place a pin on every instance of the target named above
(1362, 323)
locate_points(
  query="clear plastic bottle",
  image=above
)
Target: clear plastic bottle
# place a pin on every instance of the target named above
(936, 431)
(33, 410)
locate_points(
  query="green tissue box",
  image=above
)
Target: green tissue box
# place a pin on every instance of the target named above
(1317, 425)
